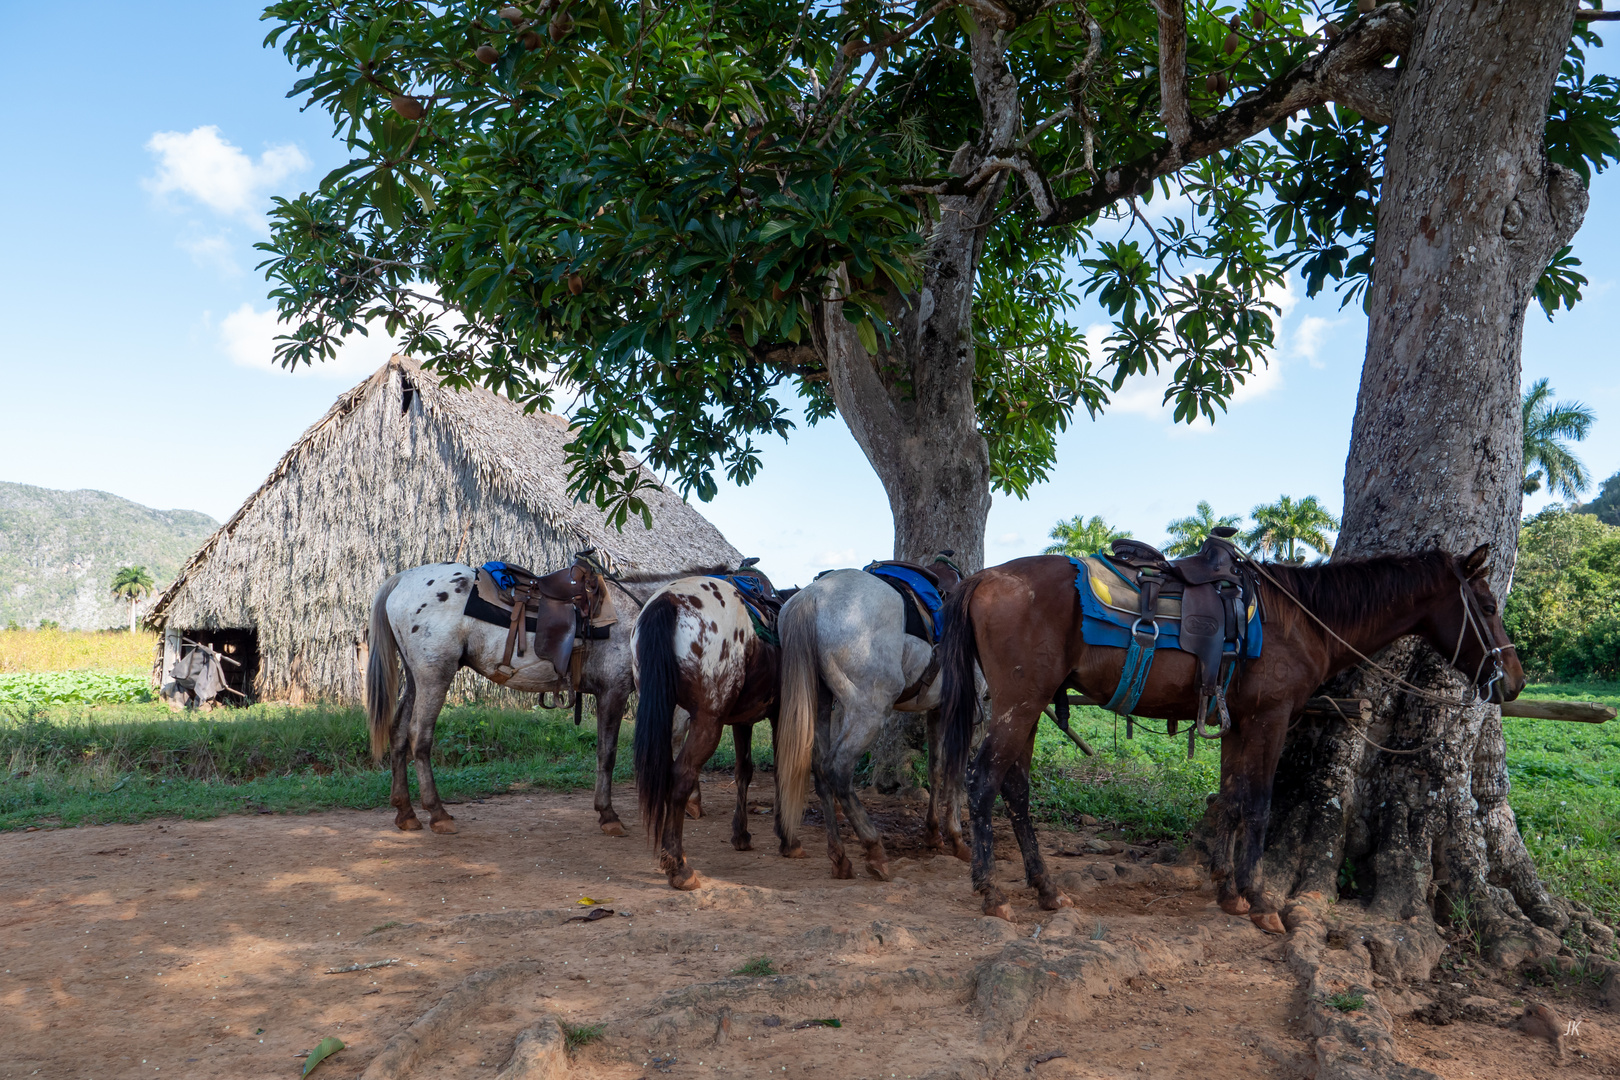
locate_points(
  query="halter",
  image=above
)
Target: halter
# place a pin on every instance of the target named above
(1489, 654)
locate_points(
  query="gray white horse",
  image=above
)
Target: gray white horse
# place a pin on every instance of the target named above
(844, 643)
(418, 617)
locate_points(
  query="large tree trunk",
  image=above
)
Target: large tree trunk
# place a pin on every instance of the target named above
(911, 407)
(1470, 214)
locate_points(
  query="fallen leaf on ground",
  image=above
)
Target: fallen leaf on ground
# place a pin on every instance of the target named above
(328, 1046)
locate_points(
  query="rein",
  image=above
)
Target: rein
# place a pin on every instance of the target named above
(1471, 621)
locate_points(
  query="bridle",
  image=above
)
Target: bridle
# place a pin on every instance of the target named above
(1474, 619)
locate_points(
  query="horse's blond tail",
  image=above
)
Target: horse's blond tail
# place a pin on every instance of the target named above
(382, 672)
(796, 715)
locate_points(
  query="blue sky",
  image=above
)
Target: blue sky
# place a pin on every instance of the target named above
(135, 358)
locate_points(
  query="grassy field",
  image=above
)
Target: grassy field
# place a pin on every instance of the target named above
(73, 764)
(34, 651)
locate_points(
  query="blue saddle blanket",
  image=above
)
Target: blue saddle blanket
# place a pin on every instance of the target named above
(1108, 609)
(498, 571)
(921, 586)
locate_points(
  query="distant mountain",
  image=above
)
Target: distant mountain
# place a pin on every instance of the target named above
(1606, 507)
(59, 551)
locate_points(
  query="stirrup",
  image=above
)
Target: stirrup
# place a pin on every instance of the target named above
(1220, 706)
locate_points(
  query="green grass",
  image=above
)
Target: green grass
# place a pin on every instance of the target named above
(1144, 785)
(578, 1035)
(760, 967)
(1566, 796)
(1345, 1001)
(77, 765)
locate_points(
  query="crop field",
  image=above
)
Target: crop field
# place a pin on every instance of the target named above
(36, 651)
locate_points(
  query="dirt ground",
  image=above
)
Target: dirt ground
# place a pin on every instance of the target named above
(201, 949)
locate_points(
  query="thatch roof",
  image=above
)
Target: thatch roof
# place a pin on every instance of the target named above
(401, 472)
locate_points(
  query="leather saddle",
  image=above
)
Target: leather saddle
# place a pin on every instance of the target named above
(945, 576)
(557, 612)
(1215, 586)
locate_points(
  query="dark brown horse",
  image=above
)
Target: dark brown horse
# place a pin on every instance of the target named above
(696, 646)
(1020, 622)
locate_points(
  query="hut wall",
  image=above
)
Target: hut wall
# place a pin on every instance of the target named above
(382, 491)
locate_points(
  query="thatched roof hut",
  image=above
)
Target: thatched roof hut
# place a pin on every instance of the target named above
(400, 472)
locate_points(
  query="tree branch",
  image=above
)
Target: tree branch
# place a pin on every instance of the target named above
(1174, 108)
(1350, 70)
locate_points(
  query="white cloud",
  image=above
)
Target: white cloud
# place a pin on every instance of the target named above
(1308, 338)
(213, 250)
(202, 165)
(248, 337)
(829, 559)
(1008, 539)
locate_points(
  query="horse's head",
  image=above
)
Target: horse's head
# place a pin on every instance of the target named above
(1467, 628)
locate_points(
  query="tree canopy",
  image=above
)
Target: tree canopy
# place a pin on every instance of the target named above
(1281, 527)
(1549, 426)
(1079, 537)
(1187, 534)
(643, 212)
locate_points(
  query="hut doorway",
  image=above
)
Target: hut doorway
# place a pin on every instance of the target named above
(241, 645)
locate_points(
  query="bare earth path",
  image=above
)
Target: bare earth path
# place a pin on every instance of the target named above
(199, 949)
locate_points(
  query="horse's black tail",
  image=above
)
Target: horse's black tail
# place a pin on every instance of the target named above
(656, 676)
(959, 694)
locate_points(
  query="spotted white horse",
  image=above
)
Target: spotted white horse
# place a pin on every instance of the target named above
(697, 648)
(418, 618)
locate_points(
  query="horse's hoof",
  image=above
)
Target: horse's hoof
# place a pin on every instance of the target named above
(842, 870)
(409, 824)
(447, 827)
(1002, 910)
(795, 852)
(879, 870)
(685, 880)
(1268, 921)
(1056, 902)
(694, 809)
(1235, 905)
(963, 852)
(614, 828)
(743, 842)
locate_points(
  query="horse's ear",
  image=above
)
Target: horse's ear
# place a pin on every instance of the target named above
(1473, 563)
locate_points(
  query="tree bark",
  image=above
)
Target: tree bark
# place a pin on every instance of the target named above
(1470, 214)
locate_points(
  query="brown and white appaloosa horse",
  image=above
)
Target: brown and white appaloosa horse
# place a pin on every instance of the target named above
(419, 620)
(697, 647)
(1021, 624)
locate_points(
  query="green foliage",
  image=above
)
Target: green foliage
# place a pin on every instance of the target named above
(1187, 534)
(1280, 528)
(649, 206)
(131, 583)
(759, 967)
(74, 688)
(1563, 613)
(1346, 1001)
(1078, 537)
(1606, 507)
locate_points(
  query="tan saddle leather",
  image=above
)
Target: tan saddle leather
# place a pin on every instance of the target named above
(559, 613)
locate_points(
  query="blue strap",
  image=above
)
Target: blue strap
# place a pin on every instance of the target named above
(1133, 679)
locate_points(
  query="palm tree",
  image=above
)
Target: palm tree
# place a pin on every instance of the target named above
(1187, 534)
(131, 583)
(1078, 537)
(1547, 423)
(1281, 527)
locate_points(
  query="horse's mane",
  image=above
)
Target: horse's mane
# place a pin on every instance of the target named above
(1350, 592)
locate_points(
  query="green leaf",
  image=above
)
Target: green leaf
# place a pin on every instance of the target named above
(867, 333)
(327, 1047)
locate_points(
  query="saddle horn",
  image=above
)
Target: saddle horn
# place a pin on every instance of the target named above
(752, 560)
